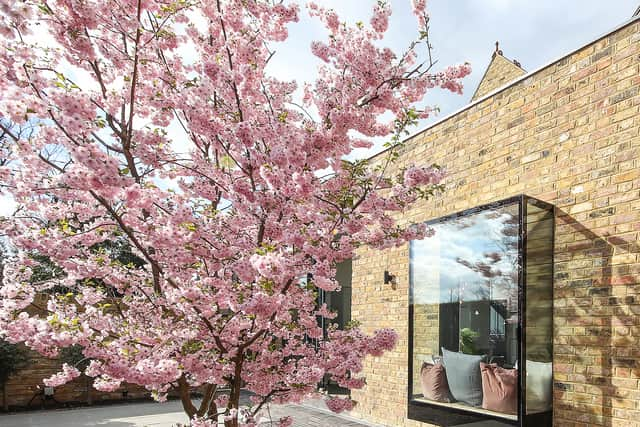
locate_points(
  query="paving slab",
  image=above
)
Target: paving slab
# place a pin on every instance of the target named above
(168, 414)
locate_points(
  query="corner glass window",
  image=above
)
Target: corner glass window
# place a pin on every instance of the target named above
(468, 313)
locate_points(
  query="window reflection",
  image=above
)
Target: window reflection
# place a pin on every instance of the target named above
(539, 310)
(465, 299)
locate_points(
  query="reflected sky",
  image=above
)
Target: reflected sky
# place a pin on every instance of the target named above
(469, 258)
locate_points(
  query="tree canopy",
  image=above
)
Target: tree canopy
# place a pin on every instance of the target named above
(159, 130)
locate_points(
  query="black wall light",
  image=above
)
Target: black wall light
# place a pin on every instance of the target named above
(388, 277)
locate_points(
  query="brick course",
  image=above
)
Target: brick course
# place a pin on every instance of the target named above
(568, 134)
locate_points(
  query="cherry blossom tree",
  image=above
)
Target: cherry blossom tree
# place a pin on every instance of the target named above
(160, 134)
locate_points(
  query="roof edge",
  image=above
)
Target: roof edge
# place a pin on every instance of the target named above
(494, 92)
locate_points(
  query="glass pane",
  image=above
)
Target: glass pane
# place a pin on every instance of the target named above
(539, 307)
(340, 301)
(464, 283)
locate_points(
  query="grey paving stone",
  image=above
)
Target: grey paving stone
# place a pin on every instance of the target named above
(165, 415)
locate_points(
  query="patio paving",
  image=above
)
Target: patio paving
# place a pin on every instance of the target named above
(314, 414)
(169, 414)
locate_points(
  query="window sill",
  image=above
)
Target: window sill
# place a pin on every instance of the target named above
(467, 408)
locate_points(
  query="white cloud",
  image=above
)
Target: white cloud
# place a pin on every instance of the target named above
(437, 271)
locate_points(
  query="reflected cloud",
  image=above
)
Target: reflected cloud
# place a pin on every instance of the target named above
(468, 259)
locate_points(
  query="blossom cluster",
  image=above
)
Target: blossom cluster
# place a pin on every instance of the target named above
(68, 373)
(338, 404)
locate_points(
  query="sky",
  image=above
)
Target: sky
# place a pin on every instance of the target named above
(532, 32)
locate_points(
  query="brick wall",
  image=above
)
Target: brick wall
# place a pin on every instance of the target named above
(22, 388)
(569, 135)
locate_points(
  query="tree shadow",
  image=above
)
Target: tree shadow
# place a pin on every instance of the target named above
(594, 319)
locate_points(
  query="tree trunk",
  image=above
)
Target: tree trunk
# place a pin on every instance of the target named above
(185, 397)
(207, 401)
(234, 393)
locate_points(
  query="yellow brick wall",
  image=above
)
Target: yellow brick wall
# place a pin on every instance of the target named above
(569, 135)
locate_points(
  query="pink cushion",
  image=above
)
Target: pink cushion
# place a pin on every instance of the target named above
(433, 380)
(499, 388)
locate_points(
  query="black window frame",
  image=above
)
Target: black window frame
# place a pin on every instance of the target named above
(445, 416)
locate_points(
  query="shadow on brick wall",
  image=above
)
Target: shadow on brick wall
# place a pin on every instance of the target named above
(595, 357)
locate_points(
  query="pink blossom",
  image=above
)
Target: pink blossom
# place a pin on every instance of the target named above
(324, 312)
(417, 176)
(133, 193)
(380, 18)
(203, 422)
(222, 400)
(68, 373)
(419, 6)
(338, 405)
(333, 22)
(104, 383)
(320, 50)
(383, 340)
(353, 383)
